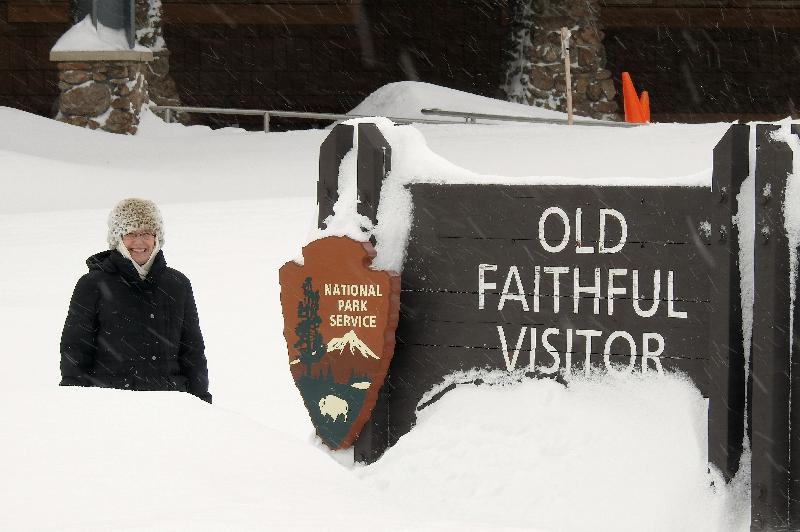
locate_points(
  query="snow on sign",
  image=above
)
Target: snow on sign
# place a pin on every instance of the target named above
(339, 323)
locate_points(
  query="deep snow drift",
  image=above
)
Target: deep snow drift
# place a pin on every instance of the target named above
(604, 454)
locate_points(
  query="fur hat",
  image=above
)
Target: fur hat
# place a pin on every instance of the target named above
(134, 214)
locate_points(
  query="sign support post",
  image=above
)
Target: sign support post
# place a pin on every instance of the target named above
(770, 358)
(374, 164)
(726, 373)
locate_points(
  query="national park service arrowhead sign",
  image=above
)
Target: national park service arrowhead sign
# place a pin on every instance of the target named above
(339, 322)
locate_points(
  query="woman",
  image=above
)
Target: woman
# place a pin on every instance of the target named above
(132, 322)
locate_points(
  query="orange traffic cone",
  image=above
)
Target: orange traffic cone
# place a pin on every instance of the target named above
(633, 106)
(644, 104)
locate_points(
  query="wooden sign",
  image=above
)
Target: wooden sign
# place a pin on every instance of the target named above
(551, 281)
(547, 281)
(339, 322)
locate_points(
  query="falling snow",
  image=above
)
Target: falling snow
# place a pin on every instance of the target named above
(236, 206)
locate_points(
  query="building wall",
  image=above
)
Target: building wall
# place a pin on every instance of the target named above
(332, 67)
(28, 80)
(708, 64)
(711, 73)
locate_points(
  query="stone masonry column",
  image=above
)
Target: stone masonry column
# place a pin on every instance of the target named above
(593, 89)
(150, 33)
(102, 89)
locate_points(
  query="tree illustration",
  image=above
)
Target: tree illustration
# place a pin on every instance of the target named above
(309, 340)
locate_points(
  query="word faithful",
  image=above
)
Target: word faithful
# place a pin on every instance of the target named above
(606, 284)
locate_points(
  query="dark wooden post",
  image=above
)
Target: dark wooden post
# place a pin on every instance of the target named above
(331, 153)
(374, 163)
(794, 478)
(771, 489)
(726, 367)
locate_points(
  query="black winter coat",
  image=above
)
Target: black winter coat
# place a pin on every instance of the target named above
(133, 334)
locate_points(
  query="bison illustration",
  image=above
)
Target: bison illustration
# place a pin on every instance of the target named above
(333, 407)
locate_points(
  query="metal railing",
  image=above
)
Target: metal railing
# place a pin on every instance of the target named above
(472, 117)
(268, 114)
(469, 117)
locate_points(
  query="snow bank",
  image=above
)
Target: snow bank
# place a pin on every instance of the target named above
(406, 99)
(68, 168)
(606, 454)
(85, 37)
(94, 460)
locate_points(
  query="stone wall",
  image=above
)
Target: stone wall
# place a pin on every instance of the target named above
(106, 95)
(150, 33)
(540, 72)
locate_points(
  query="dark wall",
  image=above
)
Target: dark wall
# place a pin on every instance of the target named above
(306, 67)
(698, 74)
(331, 68)
(454, 43)
(28, 80)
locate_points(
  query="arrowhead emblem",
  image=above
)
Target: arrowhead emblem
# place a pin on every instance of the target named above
(340, 318)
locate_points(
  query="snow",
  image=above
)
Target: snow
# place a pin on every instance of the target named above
(530, 154)
(605, 453)
(406, 99)
(85, 37)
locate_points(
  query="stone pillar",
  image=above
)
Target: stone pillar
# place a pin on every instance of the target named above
(150, 33)
(102, 89)
(593, 89)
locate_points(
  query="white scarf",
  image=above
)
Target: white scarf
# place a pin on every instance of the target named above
(144, 269)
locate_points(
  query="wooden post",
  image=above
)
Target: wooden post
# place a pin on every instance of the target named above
(565, 36)
(374, 164)
(726, 367)
(771, 487)
(794, 478)
(331, 153)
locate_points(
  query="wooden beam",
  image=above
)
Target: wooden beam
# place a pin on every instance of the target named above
(260, 14)
(699, 17)
(42, 12)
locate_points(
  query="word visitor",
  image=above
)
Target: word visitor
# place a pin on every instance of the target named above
(578, 292)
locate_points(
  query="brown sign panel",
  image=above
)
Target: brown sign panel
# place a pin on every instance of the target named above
(339, 322)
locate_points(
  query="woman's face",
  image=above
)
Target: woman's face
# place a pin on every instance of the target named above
(140, 245)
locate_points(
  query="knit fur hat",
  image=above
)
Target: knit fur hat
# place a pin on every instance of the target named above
(134, 214)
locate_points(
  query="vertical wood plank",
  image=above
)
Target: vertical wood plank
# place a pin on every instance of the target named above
(794, 456)
(331, 153)
(373, 440)
(374, 163)
(770, 353)
(726, 367)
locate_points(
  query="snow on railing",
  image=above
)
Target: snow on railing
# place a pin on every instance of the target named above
(469, 117)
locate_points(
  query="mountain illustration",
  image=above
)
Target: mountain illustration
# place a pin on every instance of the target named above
(352, 341)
